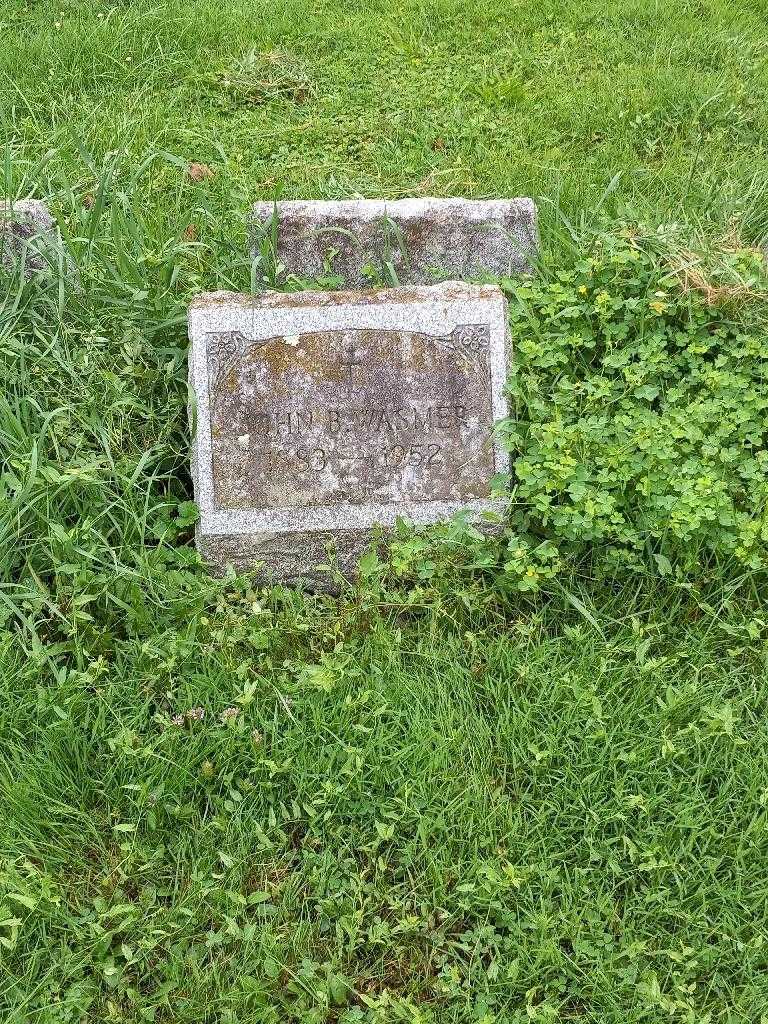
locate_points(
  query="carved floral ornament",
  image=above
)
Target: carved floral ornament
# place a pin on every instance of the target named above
(225, 350)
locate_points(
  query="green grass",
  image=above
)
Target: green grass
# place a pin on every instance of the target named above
(440, 800)
(446, 98)
(461, 818)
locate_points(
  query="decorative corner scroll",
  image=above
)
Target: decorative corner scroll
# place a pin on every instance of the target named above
(472, 341)
(225, 349)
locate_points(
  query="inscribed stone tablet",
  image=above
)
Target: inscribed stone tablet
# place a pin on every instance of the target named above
(320, 415)
(424, 240)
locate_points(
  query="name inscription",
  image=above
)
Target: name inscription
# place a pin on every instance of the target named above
(350, 416)
(370, 422)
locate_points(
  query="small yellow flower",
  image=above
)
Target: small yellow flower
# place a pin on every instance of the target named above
(582, 289)
(658, 307)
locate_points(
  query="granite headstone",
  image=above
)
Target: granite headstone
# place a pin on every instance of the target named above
(321, 415)
(27, 233)
(424, 240)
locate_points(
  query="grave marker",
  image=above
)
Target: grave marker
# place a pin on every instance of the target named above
(321, 415)
(425, 240)
(27, 231)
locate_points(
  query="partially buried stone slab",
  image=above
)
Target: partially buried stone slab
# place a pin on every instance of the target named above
(321, 415)
(425, 240)
(27, 233)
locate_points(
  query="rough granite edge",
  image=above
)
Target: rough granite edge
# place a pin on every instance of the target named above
(29, 232)
(34, 210)
(452, 290)
(372, 209)
(290, 559)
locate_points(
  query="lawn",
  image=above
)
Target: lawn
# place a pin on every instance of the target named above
(522, 779)
(445, 98)
(416, 815)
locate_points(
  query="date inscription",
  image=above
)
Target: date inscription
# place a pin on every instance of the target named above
(314, 460)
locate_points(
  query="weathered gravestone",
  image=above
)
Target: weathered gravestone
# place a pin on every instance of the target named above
(321, 415)
(27, 233)
(424, 240)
